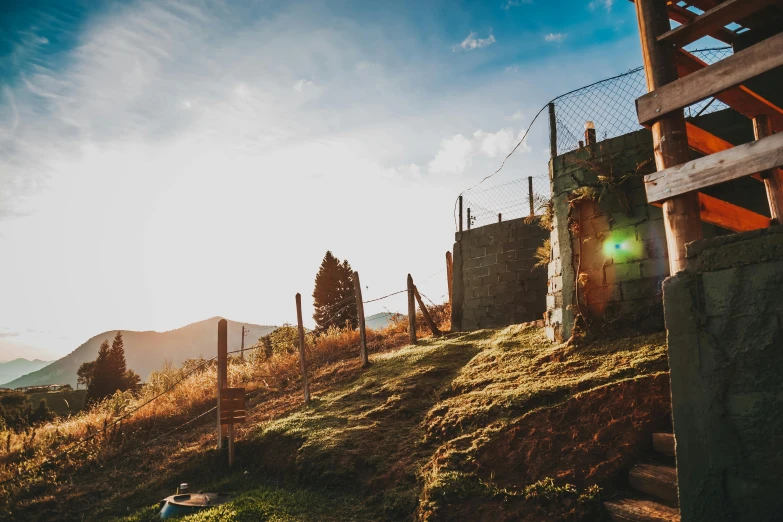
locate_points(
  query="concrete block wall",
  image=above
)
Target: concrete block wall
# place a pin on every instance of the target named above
(724, 316)
(617, 253)
(623, 251)
(495, 281)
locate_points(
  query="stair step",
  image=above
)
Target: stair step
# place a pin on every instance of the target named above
(632, 510)
(654, 479)
(664, 443)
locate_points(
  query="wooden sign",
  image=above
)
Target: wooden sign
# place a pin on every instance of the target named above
(232, 405)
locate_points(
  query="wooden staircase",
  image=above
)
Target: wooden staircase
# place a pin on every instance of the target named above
(655, 485)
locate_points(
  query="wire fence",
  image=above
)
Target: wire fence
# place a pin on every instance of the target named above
(516, 199)
(610, 104)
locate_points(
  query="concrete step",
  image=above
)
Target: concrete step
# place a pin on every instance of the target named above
(657, 480)
(633, 510)
(664, 443)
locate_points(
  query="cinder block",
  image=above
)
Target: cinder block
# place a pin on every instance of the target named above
(488, 260)
(490, 280)
(493, 249)
(480, 271)
(649, 287)
(621, 272)
(658, 267)
(506, 277)
(603, 294)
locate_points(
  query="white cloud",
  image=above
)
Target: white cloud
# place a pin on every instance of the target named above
(511, 69)
(303, 84)
(515, 3)
(456, 154)
(471, 43)
(606, 4)
(187, 104)
(556, 37)
(517, 116)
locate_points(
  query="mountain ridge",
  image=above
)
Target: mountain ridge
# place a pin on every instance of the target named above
(145, 351)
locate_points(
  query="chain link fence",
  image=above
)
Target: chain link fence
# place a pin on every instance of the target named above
(516, 199)
(610, 104)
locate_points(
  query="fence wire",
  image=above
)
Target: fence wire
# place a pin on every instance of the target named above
(610, 104)
(503, 202)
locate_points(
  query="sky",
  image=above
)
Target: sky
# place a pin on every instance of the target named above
(163, 162)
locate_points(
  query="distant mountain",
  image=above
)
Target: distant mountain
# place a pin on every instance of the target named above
(12, 369)
(146, 351)
(378, 321)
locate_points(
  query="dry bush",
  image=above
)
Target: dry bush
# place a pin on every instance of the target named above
(183, 393)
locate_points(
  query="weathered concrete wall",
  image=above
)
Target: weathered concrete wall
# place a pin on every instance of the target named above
(724, 316)
(495, 281)
(614, 246)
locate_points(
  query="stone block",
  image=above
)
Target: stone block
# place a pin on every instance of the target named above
(493, 249)
(622, 272)
(658, 267)
(651, 229)
(649, 287)
(474, 282)
(603, 294)
(480, 271)
(488, 260)
(471, 262)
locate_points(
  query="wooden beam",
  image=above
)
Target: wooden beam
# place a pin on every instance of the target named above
(740, 98)
(773, 179)
(711, 80)
(684, 16)
(712, 20)
(670, 139)
(739, 161)
(707, 143)
(729, 216)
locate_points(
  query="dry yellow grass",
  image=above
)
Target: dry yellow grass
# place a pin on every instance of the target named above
(105, 429)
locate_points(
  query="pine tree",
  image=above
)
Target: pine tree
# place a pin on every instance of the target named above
(333, 293)
(117, 367)
(100, 379)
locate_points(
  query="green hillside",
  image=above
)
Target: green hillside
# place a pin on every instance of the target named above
(495, 424)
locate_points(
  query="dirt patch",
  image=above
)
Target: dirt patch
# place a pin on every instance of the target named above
(590, 439)
(584, 441)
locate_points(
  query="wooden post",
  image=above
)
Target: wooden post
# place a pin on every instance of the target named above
(412, 308)
(590, 133)
(242, 351)
(773, 178)
(302, 357)
(500, 217)
(222, 374)
(530, 195)
(449, 274)
(357, 286)
(552, 131)
(670, 140)
(426, 313)
(460, 213)
(230, 445)
(468, 218)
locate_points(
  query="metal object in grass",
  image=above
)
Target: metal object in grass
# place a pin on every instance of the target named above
(186, 503)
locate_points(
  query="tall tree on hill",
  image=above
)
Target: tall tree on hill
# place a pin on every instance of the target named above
(333, 294)
(99, 379)
(109, 372)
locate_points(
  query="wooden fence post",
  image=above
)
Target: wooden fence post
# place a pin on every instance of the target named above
(242, 352)
(530, 195)
(460, 213)
(450, 274)
(362, 326)
(302, 357)
(468, 218)
(222, 374)
(552, 131)
(590, 138)
(412, 308)
(426, 313)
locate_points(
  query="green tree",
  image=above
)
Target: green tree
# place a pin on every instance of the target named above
(84, 374)
(42, 413)
(115, 363)
(100, 380)
(333, 294)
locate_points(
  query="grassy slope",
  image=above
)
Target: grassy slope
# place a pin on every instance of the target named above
(432, 430)
(62, 403)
